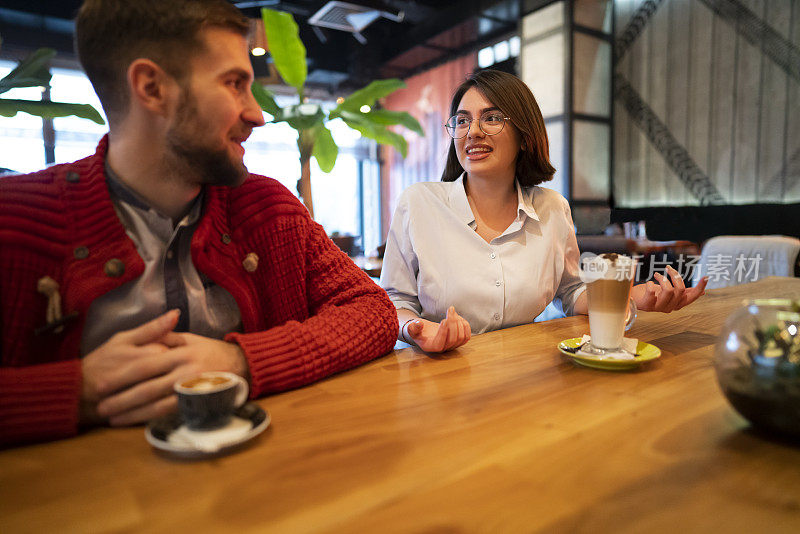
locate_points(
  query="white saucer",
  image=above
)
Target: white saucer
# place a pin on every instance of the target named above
(171, 435)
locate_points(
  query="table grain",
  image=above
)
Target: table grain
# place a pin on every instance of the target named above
(504, 434)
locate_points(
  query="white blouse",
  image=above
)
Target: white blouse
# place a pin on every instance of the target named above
(434, 259)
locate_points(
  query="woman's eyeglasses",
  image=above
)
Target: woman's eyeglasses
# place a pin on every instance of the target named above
(490, 123)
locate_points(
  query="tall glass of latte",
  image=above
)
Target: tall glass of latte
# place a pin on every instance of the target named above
(609, 280)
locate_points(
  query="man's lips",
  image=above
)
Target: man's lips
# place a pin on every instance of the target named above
(238, 140)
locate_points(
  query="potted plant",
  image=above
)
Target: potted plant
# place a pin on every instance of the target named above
(34, 71)
(314, 139)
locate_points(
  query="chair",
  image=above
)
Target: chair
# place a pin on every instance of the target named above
(730, 260)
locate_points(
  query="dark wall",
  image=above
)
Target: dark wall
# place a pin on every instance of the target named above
(700, 223)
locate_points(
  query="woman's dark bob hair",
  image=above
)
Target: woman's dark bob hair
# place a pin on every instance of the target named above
(515, 100)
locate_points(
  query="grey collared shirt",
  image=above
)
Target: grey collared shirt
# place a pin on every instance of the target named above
(169, 280)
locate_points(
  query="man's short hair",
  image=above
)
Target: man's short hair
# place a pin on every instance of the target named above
(110, 34)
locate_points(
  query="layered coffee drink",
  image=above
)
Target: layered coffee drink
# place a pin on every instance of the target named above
(609, 279)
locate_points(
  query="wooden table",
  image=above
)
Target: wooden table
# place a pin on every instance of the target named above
(503, 435)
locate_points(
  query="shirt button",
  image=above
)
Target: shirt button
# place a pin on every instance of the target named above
(114, 268)
(496, 316)
(170, 254)
(493, 255)
(497, 283)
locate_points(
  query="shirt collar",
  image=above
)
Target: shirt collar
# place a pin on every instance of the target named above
(460, 204)
(120, 191)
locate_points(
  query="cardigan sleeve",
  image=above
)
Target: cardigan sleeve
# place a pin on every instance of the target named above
(39, 402)
(351, 321)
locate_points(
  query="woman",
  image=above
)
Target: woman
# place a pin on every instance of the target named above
(485, 240)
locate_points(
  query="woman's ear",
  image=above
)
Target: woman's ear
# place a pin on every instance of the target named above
(150, 86)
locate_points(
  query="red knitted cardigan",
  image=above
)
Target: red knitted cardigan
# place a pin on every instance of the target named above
(307, 310)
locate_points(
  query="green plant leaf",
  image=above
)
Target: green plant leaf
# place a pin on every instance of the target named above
(388, 118)
(378, 132)
(33, 71)
(325, 149)
(301, 116)
(265, 99)
(285, 47)
(10, 106)
(368, 95)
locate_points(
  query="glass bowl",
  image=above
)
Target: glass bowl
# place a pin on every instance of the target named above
(757, 359)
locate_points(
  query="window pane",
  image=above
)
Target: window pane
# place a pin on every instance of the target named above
(486, 57)
(592, 76)
(21, 144)
(543, 71)
(555, 136)
(76, 138)
(543, 20)
(501, 51)
(593, 14)
(591, 153)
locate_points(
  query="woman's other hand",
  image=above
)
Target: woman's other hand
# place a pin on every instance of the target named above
(452, 332)
(666, 296)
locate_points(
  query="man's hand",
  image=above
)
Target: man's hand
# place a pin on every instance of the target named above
(130, 377)
(126, 358)
(452, 332)
(665, 296)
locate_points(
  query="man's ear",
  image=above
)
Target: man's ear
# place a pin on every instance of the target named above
(151, 87)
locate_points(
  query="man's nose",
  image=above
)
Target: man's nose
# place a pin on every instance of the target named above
(252, 111)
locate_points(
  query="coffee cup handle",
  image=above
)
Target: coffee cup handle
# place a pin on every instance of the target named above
(243, 391)
(632, 312)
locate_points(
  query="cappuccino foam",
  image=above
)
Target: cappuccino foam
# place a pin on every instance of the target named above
(205, 383)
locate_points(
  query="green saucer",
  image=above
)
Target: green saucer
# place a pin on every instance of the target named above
(645, 352)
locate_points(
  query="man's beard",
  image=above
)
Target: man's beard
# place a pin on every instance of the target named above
(208, 165)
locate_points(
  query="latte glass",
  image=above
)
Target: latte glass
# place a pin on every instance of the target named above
(609, 278)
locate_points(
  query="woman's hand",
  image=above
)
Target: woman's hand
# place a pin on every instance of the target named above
(665, 296)
(452, 332)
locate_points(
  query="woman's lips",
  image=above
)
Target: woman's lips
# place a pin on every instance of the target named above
(478, 152)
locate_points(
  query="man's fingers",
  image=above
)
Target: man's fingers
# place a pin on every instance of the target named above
(174, 339)
(151, 361)
(142, 414)
(141, 394)
(151, 331)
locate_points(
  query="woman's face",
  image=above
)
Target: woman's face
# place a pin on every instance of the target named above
(481, 155)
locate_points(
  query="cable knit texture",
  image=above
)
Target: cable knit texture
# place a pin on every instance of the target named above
(307, 310)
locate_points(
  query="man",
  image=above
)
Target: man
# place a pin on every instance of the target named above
(160, 255)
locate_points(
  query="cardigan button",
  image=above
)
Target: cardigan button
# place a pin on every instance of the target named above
(114, 268)
(73, 177)
(250, 262)
(80, 253)
(226, 239)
